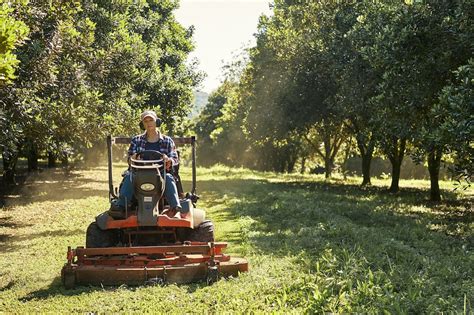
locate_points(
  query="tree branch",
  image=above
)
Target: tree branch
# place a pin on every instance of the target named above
(318, 151)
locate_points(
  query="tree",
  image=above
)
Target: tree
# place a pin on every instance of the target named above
(263, 95)
(207, 125)
(291, 81)
(356, 78)
(12, 34)
(454, 118)
(413, 46)
(88, 69)
(452, 29)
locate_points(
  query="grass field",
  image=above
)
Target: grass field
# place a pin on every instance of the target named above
(313, 246)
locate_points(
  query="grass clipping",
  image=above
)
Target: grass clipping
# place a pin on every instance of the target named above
(313, 246)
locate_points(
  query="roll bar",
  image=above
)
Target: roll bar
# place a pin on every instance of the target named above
(179, 141)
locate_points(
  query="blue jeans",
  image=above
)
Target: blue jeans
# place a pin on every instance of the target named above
(126, 191)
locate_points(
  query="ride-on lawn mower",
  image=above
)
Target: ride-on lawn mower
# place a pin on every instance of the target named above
(144, 243)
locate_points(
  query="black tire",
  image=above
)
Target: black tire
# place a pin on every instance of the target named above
(69, 279)
(212, 275)
(182, 234)
(204, 232)
(95, 237)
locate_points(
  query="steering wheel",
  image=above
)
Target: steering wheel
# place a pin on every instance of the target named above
(150, 155)
(148, 159)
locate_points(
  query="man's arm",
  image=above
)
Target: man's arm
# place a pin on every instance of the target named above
(173, 154)
(133, 148)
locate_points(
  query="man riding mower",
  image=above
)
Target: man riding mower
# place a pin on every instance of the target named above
(150, 235)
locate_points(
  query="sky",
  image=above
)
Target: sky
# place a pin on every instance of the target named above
(222, 29)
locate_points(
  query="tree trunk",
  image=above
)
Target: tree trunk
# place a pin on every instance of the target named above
(9, 168)
(366, 153)
(303, 164)
(291, 165)
(32, 158)
(327, 156)
(51, 159)
(279, 164)
(347, 152)
(332, 140)
(434, 162)
(396, 159)
(327, 168)
(396, 167)
(366, 160)
(64, 159)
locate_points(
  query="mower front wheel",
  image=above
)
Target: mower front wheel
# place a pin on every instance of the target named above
(95, 237)
(204, 232)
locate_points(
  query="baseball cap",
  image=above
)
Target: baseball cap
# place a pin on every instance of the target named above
(148, 113)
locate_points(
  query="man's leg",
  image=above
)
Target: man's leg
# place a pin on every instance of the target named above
(125, 192)
(171, 192)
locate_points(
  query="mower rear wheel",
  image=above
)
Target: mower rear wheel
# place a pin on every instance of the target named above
(95, 237)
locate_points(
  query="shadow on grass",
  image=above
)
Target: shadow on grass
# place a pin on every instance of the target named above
(362, 203)
(10, 242)
(56, 288)
(9, 222)
(8, 286)
(307, 218)
(343, 210)
(53, 186)
(417, 245)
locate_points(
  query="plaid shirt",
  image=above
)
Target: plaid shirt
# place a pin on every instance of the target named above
(166, 144)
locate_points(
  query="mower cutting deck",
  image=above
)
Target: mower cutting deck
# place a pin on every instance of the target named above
(193, 261)
(143, 245)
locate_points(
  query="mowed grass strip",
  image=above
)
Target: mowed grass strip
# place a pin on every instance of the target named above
(313, 246)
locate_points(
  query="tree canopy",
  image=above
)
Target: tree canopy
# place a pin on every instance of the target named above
(12, 34)
(380, 72)
(87, 69)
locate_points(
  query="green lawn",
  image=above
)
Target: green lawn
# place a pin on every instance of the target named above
(312, 245)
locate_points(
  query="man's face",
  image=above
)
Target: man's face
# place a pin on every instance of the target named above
(149, 123)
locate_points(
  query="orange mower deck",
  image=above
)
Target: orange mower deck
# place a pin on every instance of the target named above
(193, 261)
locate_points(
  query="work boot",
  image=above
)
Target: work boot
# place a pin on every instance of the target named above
(172, 212)
(116, 208)
(116, 211)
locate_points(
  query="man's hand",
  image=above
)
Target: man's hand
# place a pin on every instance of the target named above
(168, 162)
(134, 156)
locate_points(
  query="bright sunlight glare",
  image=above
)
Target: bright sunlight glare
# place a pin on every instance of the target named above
(222, 29)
